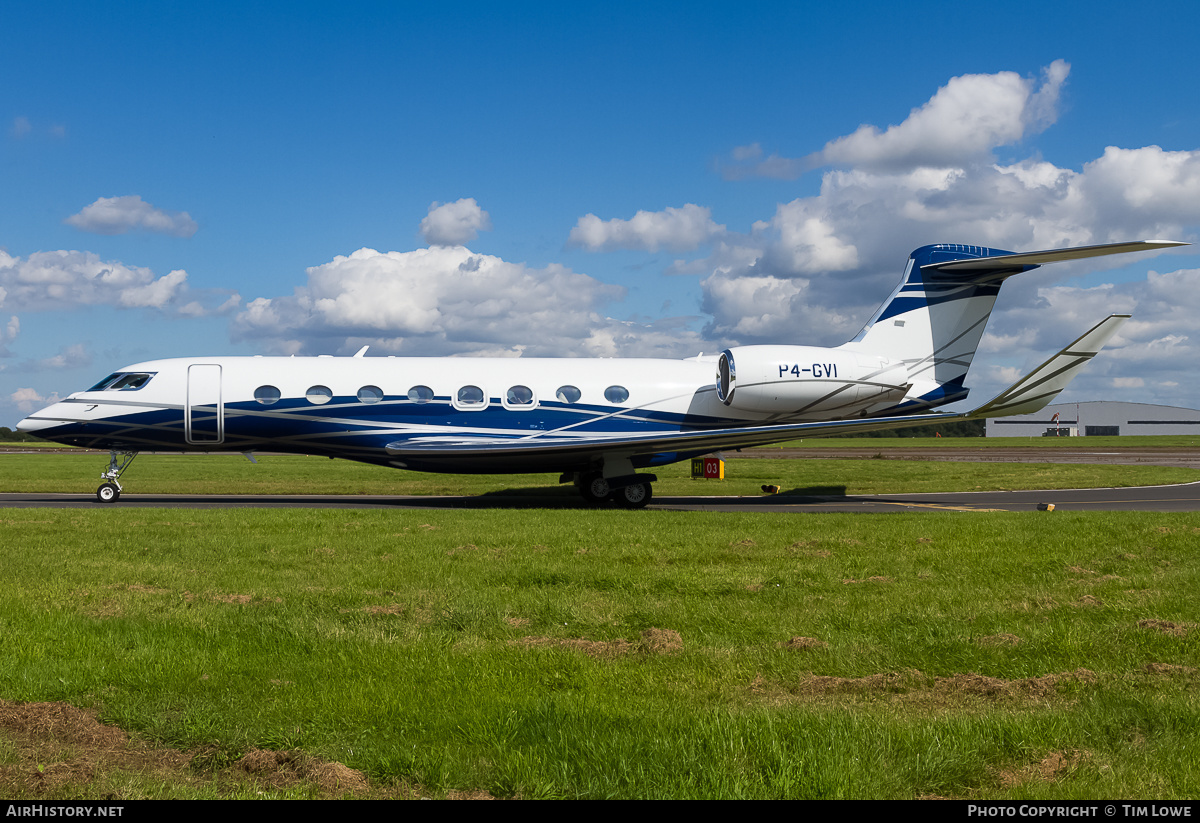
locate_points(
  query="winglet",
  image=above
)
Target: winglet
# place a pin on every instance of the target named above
(1035, 391)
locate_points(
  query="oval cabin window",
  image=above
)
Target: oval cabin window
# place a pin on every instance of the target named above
(370, 394)
(267, 395)
(420, 394)
(317, 395)
(470, 397)
(519, 396)
(616, 394)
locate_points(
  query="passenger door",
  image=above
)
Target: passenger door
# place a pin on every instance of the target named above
(204, 410)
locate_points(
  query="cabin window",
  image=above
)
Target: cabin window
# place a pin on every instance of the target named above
(370, 394)
(318, 395)
(470, 397)
(568, 394)
(420, 394)
(267, 395)
(616, 394)
(519, 396)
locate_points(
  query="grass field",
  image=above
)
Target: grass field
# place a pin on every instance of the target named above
(291, 474)
(623, 654)
(594, 653)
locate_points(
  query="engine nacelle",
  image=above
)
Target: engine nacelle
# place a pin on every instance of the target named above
(803, 379)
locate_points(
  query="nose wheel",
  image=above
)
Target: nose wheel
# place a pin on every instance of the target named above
(110, 490)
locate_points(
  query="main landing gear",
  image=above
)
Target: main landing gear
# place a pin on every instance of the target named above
(633, 491)
(110, 490)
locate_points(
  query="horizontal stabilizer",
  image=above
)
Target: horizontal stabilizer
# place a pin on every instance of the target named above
(1020, 260)
(1035, 391)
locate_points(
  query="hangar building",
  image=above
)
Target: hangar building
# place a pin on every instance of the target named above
(1098, 418)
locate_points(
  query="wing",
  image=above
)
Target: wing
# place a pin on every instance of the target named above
(1030, 393)
(1035, 390)
(589, 444)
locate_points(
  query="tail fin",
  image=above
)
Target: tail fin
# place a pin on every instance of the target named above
(934, 319)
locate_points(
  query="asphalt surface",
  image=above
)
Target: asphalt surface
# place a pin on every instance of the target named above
(1179, 498)
(1183, 498)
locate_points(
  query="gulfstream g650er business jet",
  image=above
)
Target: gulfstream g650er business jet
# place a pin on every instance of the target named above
(598, 422)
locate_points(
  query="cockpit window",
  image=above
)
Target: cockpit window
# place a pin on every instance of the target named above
(123, 381)
(130, 382)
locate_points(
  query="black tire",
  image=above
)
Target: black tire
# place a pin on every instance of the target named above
(108, 493)
(634, 497)
(594, 488)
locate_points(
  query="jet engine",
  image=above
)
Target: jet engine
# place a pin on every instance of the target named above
(803, 379)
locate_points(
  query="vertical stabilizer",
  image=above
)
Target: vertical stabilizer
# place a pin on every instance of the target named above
(934, 320)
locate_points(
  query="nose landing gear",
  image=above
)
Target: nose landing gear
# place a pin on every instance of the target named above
(110, 490)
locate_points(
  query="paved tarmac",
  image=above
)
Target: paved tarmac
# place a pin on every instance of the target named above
(1180, 498)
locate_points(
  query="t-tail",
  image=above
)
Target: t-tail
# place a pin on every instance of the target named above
(936, 316)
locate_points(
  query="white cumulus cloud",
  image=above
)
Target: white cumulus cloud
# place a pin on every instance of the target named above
(848, 243)
(27, 399)
(58, 280)
(68, 358)
(454, 224)
(677, 229)
(11, 329)
(446, 300)
(962, 123)
(118, 215)
(966, 119)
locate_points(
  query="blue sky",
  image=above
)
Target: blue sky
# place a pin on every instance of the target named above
(539, 179)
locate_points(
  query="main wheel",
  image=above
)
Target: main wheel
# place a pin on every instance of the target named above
(594, 488)
(108, 493)
(634, 497)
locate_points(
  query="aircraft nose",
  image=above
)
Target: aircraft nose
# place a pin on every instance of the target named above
(33, 424)
(53, 415)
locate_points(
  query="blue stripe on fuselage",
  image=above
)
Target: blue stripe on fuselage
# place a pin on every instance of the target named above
(294, 424)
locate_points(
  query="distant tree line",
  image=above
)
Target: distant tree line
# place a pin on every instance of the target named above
(952, 428)
(7, 435)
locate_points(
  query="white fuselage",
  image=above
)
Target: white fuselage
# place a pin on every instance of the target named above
(353, 407)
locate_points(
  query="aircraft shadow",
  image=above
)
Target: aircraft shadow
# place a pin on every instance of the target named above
(815, 491)
(532, 497)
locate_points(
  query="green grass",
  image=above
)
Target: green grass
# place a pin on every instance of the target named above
(1089, 444)
(502, 650)
(290, 474)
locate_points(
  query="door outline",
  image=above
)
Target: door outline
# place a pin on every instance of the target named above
(201, 426)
